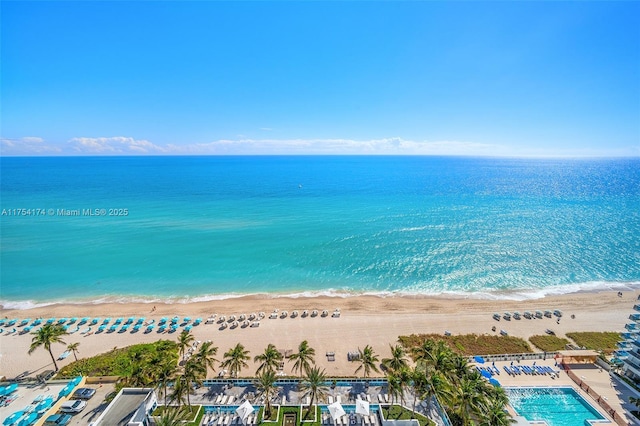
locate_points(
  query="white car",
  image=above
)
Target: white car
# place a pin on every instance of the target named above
(73, 406)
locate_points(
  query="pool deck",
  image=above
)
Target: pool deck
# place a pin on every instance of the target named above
(616, 394)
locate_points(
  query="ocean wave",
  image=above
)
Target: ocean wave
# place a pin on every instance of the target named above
(490, 294)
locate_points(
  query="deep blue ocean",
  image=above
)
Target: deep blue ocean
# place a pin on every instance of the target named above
(183, 228)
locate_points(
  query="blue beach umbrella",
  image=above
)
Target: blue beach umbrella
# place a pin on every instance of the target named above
(479, 359)
(65, 391)
(44, 404)
(494, 382)
(50, 320)
(485, 373)
(29, 419)
(13, 418)
(8, 390)
(76, 380)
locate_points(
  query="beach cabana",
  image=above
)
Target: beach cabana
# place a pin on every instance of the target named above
(244, 410)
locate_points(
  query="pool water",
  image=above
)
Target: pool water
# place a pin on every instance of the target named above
(556, 406)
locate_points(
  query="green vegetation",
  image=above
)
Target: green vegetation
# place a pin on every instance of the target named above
(604, 341)
(471, 344)
(308, 416)
(122, 361)
(178, 416)
(549, 343)
(396, 412)
(45, 336)
(441, 372)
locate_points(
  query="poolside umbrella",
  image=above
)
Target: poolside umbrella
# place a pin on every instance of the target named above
(29, 419)
(485, 373)
(479, 359)
(336, 411)
(13, 418)
(362, 407)
(244, 410)
(494, 382)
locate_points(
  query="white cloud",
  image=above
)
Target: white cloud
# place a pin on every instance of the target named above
(28, 145)
(122, 145)
(118, 145)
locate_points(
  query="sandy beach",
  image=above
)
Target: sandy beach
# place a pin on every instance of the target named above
(372, 320)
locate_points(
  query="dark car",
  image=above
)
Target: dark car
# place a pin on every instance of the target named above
(58, 419)
(84, 393)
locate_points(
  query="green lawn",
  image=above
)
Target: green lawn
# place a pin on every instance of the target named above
(397, 412)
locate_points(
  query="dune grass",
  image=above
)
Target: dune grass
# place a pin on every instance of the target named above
(549, 343)
(471, 344)
(604, 341)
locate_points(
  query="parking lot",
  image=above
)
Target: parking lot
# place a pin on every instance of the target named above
(95, 405)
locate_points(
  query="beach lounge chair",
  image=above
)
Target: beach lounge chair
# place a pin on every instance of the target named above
(504, 333)
(365, 420)
(380, 398)
(507, 316)
(330, 398)
(314, 313)
(231, 399)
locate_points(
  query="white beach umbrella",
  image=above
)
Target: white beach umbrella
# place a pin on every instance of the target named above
(362, 407)
(244, 410)
(336, 410)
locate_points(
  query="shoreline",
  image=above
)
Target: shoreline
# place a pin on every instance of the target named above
(364, 320)
(510, 295)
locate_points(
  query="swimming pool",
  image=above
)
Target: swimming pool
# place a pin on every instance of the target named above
(558, 406)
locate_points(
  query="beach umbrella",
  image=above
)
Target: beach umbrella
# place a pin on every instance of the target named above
(494, 382)
(13, 418)
(29, 419)
(65, 391)
(478, 359)
(336, 411)
(9, 389)
(44, 404)
(485, 373)
(362, 407)
(244, 410)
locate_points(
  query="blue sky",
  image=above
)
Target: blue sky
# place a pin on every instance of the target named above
(207, 77)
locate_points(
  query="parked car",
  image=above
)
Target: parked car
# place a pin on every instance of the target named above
(58, 419)
(73, 406)
(84, 393)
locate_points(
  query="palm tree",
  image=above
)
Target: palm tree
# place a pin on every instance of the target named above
(165, 374)
(269, 360)
(205, 356)
(496, 415)
(45, 336)
(304, 358)
(73, 347)
(184, 341)
(235, 359)
(367, 360)
(432, 384)
(468, 397)
(194, 372)
(394, 385)
(398, 359)
(265, 384)
(180, 389)
(173, 416)
(313, 385)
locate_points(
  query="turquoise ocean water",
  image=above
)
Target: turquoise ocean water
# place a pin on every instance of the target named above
(212, 227)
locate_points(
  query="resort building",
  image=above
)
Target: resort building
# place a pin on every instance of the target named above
(131, 407)
(628, 352)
